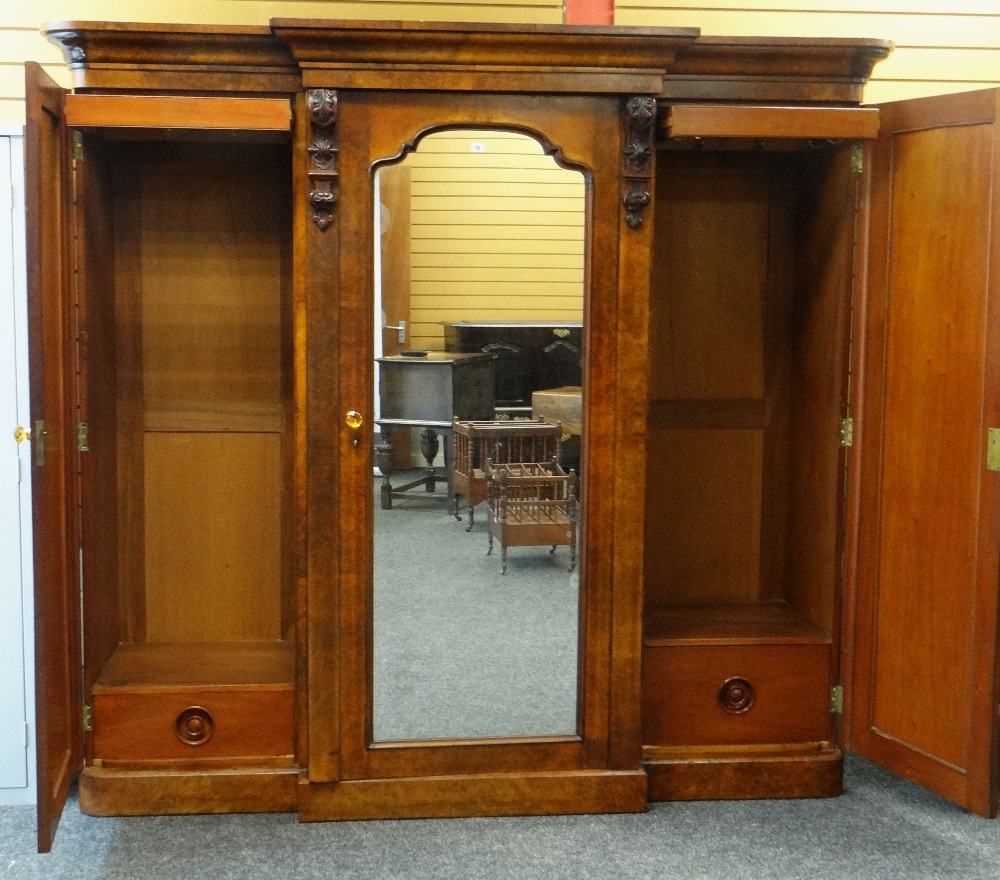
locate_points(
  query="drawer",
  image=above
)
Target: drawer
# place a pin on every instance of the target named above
(193, 724)
(735, 694)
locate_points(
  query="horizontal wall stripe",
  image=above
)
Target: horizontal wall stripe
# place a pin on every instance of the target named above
(428, 321)
(496, 193)
(519, 188)
(569, 211)
(909, 7)
(884, 92)
(464, 288)
(497, 218)
(466, 245)
(429, 324)
(445, 231)
(488, 260)
(473, 145)
(12, 80)
(443, 276)
(941, 65)
(497, 139)
(468, 159)
(18, 45)
(254, 12)
(913, 30)
(455, 172)
(939, 47)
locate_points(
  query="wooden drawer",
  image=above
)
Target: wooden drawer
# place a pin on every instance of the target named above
(145, 727)
(684, 690)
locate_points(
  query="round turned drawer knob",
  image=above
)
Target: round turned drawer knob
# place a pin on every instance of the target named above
(195, 726)
(737, 695)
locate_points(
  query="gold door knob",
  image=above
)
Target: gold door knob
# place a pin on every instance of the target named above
(21, 434)
(354, 420)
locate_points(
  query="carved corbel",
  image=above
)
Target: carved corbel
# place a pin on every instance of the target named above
(73, 44)
(638, 116)
(323, 172)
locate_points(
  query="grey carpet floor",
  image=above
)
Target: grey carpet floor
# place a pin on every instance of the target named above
(461, 650)
(882, 827)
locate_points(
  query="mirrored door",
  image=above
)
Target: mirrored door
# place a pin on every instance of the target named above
(479, 259)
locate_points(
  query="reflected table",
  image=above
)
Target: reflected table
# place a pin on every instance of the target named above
(427, 390)
(562, 406)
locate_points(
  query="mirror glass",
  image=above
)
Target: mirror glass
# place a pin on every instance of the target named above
(480, 275)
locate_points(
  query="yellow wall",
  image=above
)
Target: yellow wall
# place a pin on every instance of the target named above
(941, 46)
(496, 235)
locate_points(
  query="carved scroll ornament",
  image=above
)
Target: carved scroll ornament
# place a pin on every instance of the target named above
(323, 172)
(638, 117)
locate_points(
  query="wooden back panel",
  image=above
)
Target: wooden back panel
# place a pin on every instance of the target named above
(212, 536)
(709, 278)
(708, 419)
(202, 392)
(748, 326)
(211, 284)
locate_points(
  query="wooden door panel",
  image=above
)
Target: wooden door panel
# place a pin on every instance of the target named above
(923, 692)
(54, 468)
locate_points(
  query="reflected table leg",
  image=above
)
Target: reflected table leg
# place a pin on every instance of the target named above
(384, 453)
(430, 445)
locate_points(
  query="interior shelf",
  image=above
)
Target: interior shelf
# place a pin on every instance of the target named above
(146, 666)
(752, 623)
(192, 415)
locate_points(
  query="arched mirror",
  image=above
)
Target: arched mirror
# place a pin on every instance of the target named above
(480, 275)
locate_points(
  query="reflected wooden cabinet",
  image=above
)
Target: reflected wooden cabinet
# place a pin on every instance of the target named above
(779, 299)
(530, 356)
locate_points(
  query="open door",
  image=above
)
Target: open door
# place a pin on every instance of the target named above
(52, 341)
(923, 693)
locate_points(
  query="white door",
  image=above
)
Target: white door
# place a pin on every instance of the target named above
(16, 613)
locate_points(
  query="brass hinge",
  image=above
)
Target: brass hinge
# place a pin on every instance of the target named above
(846, 432)
(77, 146)
(82, 437)
(993, 449)
(88, 718)
(837, 700)
(857, 157)
(38, 438)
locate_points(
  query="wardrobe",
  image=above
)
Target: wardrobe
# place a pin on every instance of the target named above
(788, 537)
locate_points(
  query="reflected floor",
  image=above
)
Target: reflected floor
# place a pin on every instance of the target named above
(462, 651)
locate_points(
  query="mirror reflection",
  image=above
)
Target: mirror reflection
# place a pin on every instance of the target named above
(479, 268)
